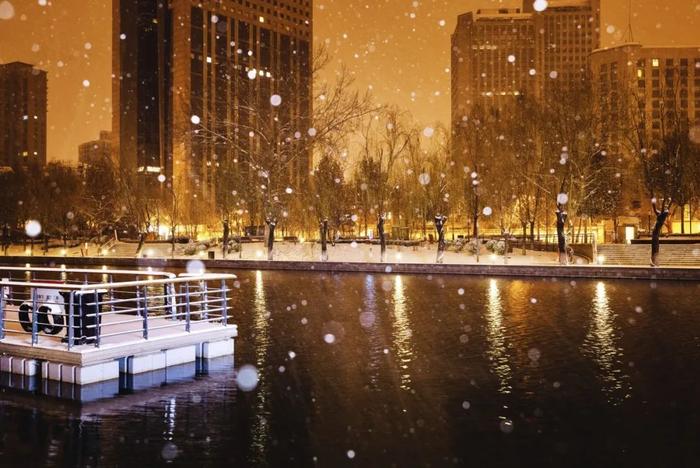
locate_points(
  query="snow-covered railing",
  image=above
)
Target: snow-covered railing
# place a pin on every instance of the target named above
(102, 312)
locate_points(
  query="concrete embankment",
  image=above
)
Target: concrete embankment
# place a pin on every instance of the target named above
(538, 271)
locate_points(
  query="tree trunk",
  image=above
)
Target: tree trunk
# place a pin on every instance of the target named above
(561, 235)
(225, 239)
(142, 240)
(324, 245)
(382, 237)
(691, 218)
(682, 219)
(440, 227)
(661, 217)
(524, 225)
(475, 233)
(271, 224)
(532, 235)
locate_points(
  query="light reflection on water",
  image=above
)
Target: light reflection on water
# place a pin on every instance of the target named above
(260, 429)
(601, 344)
(373, 328)
(497, 347)
(402, 333)
(351, 395)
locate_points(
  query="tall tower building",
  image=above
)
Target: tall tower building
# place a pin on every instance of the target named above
(566, 33)
(91, 152)
(644, 91)
(185, 65)
(501, 55)
(23, 108)
(492, 54)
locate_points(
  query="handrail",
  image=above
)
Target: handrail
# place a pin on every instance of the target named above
(125, 284)
(199, 299)
(89, 270)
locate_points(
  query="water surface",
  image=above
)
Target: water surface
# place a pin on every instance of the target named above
(389, 370)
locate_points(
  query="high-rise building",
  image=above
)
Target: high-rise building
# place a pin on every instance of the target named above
(654, 89)
(23, 99)
(492, 54)
(664, 80)
(185, 65)
(501, 54)
(566, 33)
(96, 150)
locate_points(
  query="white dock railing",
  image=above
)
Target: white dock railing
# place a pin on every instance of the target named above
(80, 306)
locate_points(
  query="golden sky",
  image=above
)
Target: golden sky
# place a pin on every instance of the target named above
(401, 48)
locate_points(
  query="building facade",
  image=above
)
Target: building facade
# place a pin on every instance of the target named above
(96, 150)
(650, 90)
(566, 33)
(23, 109)
(492, 54)
(184, 70)
(499, 55)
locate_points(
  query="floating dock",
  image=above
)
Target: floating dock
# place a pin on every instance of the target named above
(85, 326)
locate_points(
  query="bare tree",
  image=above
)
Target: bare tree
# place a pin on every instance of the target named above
(385, 139)
(573, 128)
(269, 149)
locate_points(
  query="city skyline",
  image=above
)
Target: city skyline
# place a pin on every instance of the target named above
(77, 52)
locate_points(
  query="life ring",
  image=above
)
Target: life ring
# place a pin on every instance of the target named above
(56, 313)
(50, 318)
(24, 319)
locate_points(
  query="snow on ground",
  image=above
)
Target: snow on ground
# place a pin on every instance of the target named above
(307, 252)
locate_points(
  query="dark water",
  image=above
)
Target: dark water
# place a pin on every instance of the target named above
(421, 371)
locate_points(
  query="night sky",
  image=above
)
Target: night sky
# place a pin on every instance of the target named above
(400, 48)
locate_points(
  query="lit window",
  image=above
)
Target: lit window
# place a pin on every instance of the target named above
(655, 63)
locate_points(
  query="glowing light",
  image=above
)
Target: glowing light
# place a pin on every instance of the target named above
(32, 228)
(540, 5)
(7, 11)
(196, 267)
(247, 378)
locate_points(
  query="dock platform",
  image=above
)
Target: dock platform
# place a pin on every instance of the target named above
(87, 326)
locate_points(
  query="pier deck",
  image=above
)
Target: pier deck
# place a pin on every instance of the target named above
(82, 332)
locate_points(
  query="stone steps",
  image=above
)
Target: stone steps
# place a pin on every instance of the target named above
(669, 254)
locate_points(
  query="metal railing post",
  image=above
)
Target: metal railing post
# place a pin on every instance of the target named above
(111, 294)
(35, 325)
(204, 295)
(97, 320)
(172, 300)
(145, 313)
(71, 320)
(187, 307)
(224, 312)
